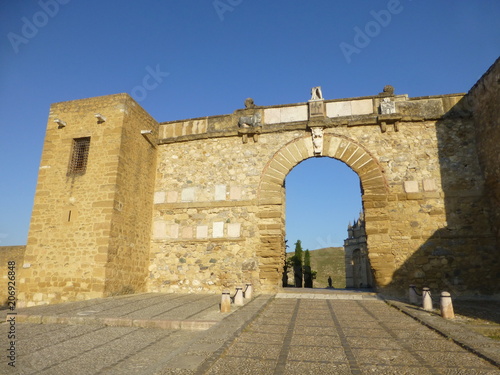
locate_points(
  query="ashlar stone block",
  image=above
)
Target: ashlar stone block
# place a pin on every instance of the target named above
(220, 192)
(159, 197)
(159, 229)
(296, 113)
(172, 231)
(272, 116)
(411, 186)
(362, 107)
(172, 196)
(235, 192)
(429, 184)
(218, 229)
(187, 232)
(337, 109)
(202, 231)
(188, 194)
(234, 230)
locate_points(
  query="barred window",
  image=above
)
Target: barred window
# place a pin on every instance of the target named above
(79, 156)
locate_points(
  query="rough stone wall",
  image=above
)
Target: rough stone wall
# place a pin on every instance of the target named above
(207, 223)
(484, 99)
(201, 202)
(9, 254)
(82, 224)
(426, 217)
(130, 232)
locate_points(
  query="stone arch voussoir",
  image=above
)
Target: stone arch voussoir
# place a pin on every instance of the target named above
(356, 156)
(271, 194)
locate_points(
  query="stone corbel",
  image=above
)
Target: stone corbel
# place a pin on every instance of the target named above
(383, 126)
(389, 119)
(249, 132)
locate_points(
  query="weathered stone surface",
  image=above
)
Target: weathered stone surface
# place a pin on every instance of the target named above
(204, 203)
(14, 255)
(64, 245)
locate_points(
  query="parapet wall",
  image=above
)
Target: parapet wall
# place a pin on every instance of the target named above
(339, 112)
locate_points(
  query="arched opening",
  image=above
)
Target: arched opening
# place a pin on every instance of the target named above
(271, 203)
(323, 197)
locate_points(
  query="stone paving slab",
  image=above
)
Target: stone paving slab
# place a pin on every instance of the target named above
(286, 339)
(148, 310)
(327, 296)
(474, 342)
(97, 348)
(327, 293)
(266, 336)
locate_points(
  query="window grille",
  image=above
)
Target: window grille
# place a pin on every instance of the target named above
(79, 156)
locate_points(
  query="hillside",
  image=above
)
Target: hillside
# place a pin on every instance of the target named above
(327, 262)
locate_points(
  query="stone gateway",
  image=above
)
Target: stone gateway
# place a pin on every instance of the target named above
(126, 204)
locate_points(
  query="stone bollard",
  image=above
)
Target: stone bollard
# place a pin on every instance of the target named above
(225, 303)
(248, 291)
(426, 299)
(446, 306)
(238, 297)
(413, 295)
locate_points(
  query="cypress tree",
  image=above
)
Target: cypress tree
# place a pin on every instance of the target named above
(308, 282)
(307, 258)
(297, 264)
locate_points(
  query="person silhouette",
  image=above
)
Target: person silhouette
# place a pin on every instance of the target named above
(330, 285)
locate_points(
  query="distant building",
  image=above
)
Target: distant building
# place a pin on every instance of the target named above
(358, 272)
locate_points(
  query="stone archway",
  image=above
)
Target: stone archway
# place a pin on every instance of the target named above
(271, 201)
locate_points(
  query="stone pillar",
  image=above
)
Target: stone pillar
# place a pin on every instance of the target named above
(225, 303)
(446, 306)
(426, 299)
(238, 297)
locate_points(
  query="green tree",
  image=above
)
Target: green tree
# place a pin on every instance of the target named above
(297, 264)
(307, 259)
(308, 275)
(298, 251)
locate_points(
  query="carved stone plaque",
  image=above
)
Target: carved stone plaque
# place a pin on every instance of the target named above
(387, 106)
(316, 108)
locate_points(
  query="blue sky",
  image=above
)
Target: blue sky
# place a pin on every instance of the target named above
(211, 55)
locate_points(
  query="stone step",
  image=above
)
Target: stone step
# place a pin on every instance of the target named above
(346, 296)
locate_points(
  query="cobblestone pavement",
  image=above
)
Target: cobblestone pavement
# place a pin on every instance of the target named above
(312, 336)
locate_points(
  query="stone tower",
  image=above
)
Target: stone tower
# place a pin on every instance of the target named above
(91, 223)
